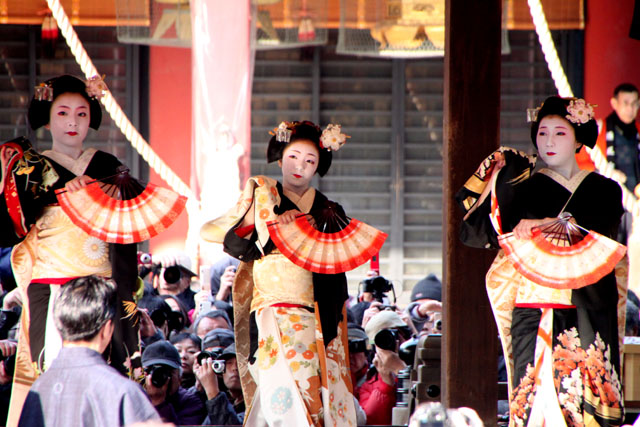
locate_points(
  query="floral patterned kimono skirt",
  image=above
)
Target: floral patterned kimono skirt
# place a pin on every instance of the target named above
(300, 381)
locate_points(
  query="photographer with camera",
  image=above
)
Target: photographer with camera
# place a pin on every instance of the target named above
(373, 288)
(171, 275)
(79, 388)
(161, 363)
(425, 309)
(223, 407)
(223, 273)
(377, 396)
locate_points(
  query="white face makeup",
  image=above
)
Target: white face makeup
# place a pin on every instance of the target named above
(69, 123)
(556, 141)
(299, 163)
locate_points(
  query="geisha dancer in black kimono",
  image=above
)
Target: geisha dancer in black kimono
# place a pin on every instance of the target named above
(49, 249)
(296, 341)
(578, 382)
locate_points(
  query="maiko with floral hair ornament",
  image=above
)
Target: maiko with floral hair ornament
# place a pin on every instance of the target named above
(49, 248)
(560, 330)
(299, 356)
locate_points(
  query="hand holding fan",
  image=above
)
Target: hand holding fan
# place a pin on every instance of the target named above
(560, 256)
(119, 209)
(326, 252)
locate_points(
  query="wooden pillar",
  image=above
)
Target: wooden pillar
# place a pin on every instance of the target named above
(471, 132)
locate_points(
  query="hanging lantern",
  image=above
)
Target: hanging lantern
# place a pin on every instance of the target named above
(154, 22)
(49, 35)
(290, 23)
(394, 28)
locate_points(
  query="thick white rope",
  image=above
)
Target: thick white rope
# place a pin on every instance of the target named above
(629, 201)
(112, 106)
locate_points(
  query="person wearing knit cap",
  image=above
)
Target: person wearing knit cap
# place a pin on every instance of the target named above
(579, 318)
(426, 305)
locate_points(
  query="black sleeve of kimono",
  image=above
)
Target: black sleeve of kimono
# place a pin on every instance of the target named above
(330, 292)
(240, 248)
(124, 265)
(102, 165)
(124, 272)
(477, 230)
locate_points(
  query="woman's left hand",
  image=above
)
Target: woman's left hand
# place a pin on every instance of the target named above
(289, 216)
(524, 229)
(77, 183)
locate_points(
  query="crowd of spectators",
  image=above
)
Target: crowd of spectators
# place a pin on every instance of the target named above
(189, 373)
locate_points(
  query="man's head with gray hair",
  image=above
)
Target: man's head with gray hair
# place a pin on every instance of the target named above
(211, 320)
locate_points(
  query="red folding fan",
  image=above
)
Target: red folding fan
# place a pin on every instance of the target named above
(121, 210)
(560, 256)
(323, 252)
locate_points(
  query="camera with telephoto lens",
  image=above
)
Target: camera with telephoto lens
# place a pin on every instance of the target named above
(172, 274)
(160, 374)
(386, 339)
(378, 286)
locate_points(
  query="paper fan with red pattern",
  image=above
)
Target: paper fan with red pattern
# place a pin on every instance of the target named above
(121, 210)
(326, 253)
(559, 256)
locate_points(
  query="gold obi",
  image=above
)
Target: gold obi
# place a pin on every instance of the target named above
(63, 250)
(278, 280)
(532, 293)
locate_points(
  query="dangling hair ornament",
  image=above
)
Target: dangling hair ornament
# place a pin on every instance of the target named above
(282, 132)
(579, 111)
(332, 137)
(43, 92)
(96, 87)
(532, 114)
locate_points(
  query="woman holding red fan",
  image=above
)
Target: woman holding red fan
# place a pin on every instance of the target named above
(561, 341)
(49, 249)
(298, 356)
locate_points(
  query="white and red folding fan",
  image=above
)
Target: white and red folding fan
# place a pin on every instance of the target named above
(559, 256)
(121, 210)
(326, 253)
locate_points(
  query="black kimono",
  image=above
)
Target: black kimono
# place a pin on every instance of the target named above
(50, 250)
(582, 362)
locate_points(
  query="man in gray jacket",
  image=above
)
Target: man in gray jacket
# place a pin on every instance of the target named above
(79, 388)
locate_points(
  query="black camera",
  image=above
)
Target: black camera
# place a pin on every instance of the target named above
(218, 366)
(377, 286)
(172, 274)
(386, 339)
(204, 354)
(357, 346)
(160, 374)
